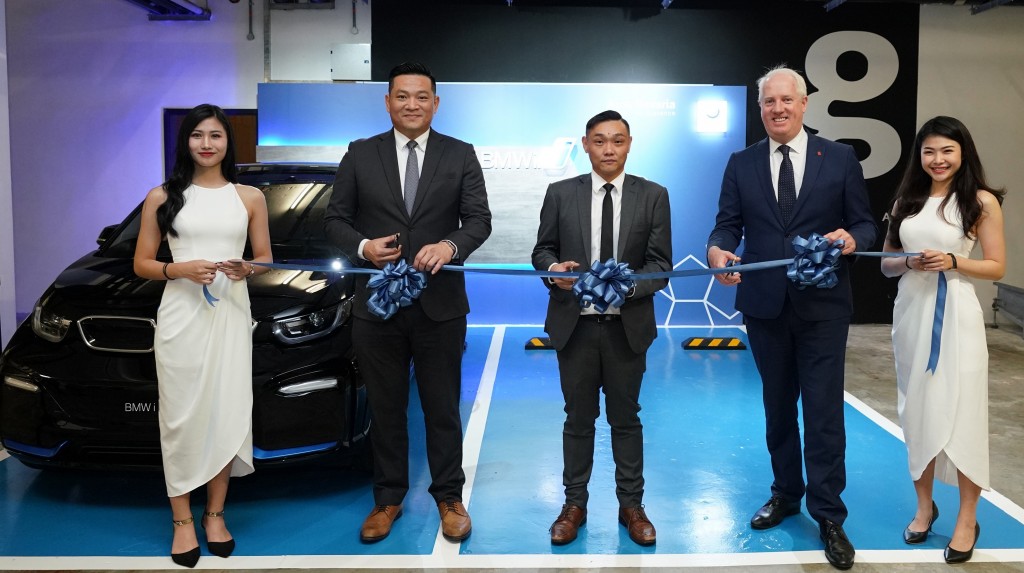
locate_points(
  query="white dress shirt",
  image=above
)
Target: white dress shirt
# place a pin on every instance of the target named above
(596, 208)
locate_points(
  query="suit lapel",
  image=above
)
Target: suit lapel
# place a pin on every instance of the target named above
(584, 189)
(627, 211)
(762, 163)
(431, 159)
(389, 162)
(812, 167)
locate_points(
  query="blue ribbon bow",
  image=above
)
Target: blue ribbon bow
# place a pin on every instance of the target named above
(815, 262)
(604, 284)
(395, 287)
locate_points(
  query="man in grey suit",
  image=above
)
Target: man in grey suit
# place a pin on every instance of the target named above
(604, 214)
(385, 207)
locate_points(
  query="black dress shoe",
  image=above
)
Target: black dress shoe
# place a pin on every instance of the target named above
(912, 537)
(953, 556)
(838, 549)
(190, 557)
(773, 512)
(218, 548)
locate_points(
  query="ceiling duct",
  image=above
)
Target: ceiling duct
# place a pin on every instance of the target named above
(172, 9)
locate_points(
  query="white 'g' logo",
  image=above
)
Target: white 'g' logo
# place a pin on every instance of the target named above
(883, 65)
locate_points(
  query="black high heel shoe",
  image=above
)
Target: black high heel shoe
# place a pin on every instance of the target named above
(218, 548)
(953, 556)
(190, 557)
(911, 537)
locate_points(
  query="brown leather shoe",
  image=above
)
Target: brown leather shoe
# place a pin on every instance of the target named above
(377, 525)
(641, 530)
(567, 526)
(455, 522)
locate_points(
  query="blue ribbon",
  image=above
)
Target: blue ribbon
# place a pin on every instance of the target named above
(815, 262)
(396, 286)
(210, 299)
(940, 311)
(604, 285)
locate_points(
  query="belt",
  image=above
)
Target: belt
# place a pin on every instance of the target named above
(601, 317)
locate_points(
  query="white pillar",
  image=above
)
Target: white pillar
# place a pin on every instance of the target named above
(7, 303)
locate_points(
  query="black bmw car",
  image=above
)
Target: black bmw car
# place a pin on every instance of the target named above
(79, 376)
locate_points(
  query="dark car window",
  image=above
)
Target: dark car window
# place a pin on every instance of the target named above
(296, 216)
(122, 244)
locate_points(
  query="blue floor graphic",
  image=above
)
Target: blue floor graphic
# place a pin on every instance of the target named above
(706, 471)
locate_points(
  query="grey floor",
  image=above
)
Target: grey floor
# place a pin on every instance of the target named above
(870, 378)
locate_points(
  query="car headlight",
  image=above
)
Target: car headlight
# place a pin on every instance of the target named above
(48, 324)
(313, 325)
(21, 383)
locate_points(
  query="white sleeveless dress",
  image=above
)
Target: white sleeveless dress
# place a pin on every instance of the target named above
(204, 352)
(944, 414)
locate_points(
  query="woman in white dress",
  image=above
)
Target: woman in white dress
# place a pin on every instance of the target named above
(203, 349)
(943, 207)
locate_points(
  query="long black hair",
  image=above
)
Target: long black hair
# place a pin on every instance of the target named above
(915, 187)
(185, 167)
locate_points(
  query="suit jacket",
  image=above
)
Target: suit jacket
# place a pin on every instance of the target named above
(451, 203)
(832, 196)
(645, 244)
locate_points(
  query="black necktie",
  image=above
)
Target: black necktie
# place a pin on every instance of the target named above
(787, 185)
(607, 224)
(412, 176)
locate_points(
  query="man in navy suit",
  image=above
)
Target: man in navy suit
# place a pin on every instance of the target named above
(600, 215)
(797, 337)
(384, 207)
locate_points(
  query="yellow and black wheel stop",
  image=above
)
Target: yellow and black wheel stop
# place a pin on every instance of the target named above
(713, 343)
(539, 343)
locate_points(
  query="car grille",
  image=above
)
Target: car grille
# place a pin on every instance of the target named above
(127, 456)
(117, 333)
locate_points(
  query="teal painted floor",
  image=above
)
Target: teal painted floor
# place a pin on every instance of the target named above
(706, 471)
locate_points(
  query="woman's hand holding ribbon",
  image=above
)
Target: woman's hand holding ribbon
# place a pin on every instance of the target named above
(199, 271)
(934, 261)
(234, 269)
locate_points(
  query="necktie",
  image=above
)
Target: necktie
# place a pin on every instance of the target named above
(607, 224)
(412, 176)
(787, 185)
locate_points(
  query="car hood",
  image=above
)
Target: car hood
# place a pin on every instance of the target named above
(102, 285)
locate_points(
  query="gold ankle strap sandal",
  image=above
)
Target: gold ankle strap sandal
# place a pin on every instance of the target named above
(214, 513)
(179, 523)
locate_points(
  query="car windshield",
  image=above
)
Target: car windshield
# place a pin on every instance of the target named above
(295, 206)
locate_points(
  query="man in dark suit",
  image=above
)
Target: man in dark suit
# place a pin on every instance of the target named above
(385, 207)
(601, 215)
(794, 184)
